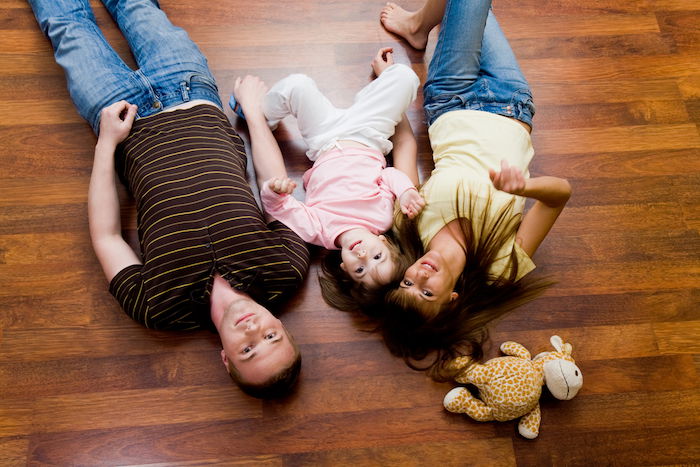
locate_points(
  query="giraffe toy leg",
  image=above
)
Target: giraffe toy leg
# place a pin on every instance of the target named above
(460, 400)
(529, 425)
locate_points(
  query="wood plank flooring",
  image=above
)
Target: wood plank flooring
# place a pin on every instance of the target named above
(617, 89)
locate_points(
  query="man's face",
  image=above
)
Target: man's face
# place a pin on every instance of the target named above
(367, 259)
(255, 342)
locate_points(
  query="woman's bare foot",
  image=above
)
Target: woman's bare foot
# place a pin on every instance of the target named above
(406, 24)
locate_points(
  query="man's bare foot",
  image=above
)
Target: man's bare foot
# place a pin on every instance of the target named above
(406, 24)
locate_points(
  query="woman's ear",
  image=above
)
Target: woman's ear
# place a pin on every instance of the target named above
(453, 296)
(342, 266)
(382, 238)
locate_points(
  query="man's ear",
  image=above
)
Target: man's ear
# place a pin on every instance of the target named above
(342, 266)
(224, 359)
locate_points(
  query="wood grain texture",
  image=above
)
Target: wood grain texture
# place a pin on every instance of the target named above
(617, 90)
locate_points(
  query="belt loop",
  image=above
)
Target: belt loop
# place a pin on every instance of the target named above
(185, 91)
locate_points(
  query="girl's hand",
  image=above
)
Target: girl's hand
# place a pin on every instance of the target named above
(281, 186)
(383, 60)
(115, 122)
(510, 179)
(411, 202)
(249, 93)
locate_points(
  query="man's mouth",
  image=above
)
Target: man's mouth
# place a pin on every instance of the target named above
(244, 317)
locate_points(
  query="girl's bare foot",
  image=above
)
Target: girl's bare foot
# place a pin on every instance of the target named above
(406, 24)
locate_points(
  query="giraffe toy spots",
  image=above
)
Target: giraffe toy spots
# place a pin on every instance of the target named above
(510, 386)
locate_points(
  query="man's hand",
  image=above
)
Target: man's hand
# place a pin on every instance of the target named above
(249, 92)
(115, 122)
(411, 202)
(510, 179)
(383, 60)
(282, 185)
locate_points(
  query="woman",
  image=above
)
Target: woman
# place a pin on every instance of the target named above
(477, 245)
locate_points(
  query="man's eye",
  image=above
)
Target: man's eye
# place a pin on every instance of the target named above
(377, 256)
(427, 293)
(270, 335)
(360, 269)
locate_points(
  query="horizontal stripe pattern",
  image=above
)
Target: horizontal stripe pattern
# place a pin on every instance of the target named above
(197, 215)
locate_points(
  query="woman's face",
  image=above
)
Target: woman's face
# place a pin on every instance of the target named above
(429, 281)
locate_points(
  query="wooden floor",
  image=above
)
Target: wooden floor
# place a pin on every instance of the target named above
(617, 89)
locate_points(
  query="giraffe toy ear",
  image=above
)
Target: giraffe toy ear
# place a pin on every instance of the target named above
(567, 349)
(557, 343)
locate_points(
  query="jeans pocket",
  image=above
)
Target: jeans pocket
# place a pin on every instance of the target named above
(441, 104)
(523, 104)
(200, 79)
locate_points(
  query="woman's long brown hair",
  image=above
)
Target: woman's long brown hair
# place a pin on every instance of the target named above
(460, 327)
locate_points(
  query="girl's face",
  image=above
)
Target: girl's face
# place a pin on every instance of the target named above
(429, 281)
(367, 258)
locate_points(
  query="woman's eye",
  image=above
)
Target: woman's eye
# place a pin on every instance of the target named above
(377, 256)
(247, 349)
(360, 269)
(407, 283)
(427, 293)
(270, 335)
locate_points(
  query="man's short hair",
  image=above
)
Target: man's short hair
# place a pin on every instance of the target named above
(278, 385)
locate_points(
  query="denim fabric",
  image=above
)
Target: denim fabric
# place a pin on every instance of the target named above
(172, 69)
(473, 66)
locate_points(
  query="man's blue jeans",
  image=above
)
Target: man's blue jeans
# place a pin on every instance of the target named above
(473, 66)
(172, 69)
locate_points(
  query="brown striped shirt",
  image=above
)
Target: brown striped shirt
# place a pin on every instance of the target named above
(196, 216)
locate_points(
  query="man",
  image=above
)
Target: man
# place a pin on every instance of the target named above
(207, 255)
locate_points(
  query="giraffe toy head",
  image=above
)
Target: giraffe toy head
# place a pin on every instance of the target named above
(510, 386)
(561, 375)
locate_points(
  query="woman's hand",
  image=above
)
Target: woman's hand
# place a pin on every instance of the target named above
(115, 123)
(383, 60)
(510, 179)
(249, 92)
(411, 202)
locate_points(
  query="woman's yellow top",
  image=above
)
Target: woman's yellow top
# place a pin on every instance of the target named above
(466, 144)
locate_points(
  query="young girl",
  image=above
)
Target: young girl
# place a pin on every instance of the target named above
(477, 246)
(350, 192)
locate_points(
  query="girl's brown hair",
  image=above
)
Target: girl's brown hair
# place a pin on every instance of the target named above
(341, 292)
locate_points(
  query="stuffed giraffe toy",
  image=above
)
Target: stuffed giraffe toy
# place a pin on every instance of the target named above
(510, 386)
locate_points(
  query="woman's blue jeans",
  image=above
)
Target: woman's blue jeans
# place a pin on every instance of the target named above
(171, 68)
(473, 66)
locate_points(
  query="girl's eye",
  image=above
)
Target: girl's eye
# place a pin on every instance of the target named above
(359, 270)
(247, 349)
(377, 256)
(270, 335)
(427, 293)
